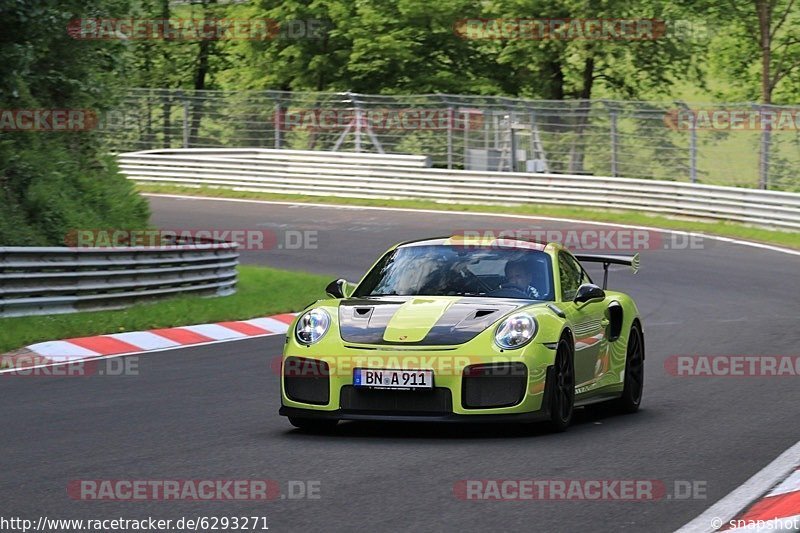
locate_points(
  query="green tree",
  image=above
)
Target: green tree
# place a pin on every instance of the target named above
(52, 182)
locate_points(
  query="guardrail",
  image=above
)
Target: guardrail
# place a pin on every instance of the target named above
(766, 208)
(35, 281)
(288, 156)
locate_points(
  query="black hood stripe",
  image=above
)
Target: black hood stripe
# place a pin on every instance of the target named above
(364, 320)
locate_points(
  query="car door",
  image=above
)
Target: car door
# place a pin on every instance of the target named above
(588, 319)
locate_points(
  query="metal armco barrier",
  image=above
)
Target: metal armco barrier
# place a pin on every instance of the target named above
(292, 174)
(37, 281)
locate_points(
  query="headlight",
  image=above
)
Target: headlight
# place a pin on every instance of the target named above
(312, 326)
(515, 331)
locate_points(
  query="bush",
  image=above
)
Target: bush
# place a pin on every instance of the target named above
(52, 182)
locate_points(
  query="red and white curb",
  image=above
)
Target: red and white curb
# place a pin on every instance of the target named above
(779, 509)
(768, 501)
(117, 344)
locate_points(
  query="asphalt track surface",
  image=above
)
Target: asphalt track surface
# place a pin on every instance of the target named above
(211, 412)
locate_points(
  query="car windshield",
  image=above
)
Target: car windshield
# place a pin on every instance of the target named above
(442, 270)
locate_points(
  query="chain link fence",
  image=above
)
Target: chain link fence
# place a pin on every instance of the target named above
(744, 144)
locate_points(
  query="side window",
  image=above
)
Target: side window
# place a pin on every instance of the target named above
(571, 275)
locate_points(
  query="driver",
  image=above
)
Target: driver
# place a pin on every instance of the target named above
(518, 274)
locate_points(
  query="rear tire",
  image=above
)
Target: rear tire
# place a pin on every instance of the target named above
(313, 425)
(634, 373)
(562, 393)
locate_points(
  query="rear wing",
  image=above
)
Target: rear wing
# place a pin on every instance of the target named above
(629, 260)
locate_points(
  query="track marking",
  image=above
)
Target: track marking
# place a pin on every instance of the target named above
(734, 503)
(60, 349)
(214, 331)
(104, 345)
(269, 324)
(97, 357)
(145, 340)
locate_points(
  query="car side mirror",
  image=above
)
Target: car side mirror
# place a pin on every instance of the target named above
(589, 292)
(337, 288)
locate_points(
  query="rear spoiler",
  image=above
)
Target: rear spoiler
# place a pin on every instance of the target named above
(629, 260)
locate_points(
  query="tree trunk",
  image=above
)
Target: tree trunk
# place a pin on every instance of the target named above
(167, 109)
(764, 10)
(200, 73)
(576, 153)
(199, 85)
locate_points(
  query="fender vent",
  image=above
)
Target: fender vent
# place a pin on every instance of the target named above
(614, 321)
(362, 312)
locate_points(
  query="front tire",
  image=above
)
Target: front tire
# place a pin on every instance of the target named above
(562, 393)
(634, 373)
(313, 425)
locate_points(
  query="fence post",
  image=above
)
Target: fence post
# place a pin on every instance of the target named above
(692, 139)
(167, 121)
(764, 148)
(766, 141)
(466, 119)
(512, 160)
(614, 145)
(185, 120)
(358, 130)
(450, 116)
(277, 122)
(693, 153)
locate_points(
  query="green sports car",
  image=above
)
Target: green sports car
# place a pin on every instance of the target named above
(462, 329)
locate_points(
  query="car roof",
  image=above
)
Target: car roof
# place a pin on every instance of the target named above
(486, 240)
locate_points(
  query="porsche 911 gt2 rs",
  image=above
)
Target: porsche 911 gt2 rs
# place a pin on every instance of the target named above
(468, 330)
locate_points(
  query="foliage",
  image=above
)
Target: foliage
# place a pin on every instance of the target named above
(51, 182)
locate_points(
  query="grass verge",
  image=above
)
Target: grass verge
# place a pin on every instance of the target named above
(261, 291)
(789, 239)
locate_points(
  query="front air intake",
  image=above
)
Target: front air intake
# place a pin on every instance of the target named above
(493, 385)
(306, 380)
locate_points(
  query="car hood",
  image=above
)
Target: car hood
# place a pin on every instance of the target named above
(420, 320)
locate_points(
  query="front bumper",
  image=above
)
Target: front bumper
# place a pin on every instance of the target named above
(448, 402)
(533, 416)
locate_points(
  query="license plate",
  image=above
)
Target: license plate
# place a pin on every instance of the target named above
(386, 378)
